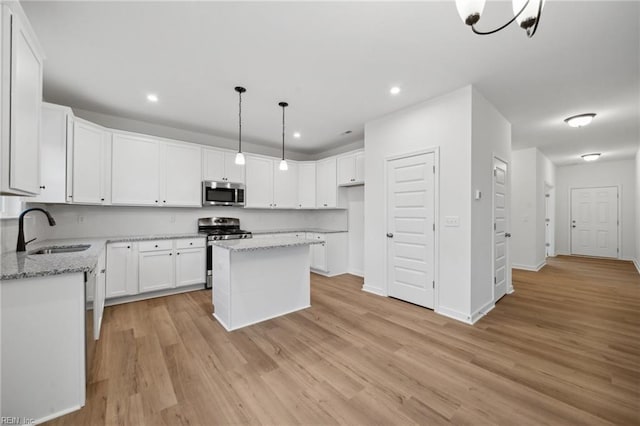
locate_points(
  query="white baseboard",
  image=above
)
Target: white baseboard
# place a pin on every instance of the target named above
(451, 313)
(482, 312)
(637, 265)
(529, 267)
(56, 415)
(356, 272)
(373, 290)
(151, 295)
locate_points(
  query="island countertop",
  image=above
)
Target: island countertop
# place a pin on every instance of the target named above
(262, 243)
(289, 230)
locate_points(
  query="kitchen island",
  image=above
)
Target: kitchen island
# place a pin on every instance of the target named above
(260, 279)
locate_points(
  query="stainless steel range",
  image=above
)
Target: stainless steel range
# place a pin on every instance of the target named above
(219, 228)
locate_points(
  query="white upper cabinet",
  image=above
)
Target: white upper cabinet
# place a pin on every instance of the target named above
(90, 164)
(56, 132)
(151, 172)
(351, 169)
(285, 185)
(21, 98)
(326, 187)
(259, 181)
(182, 175)
(221, 166)
(135, 170)
(307, 185)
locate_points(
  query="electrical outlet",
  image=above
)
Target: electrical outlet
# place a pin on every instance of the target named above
(452, 221)
(80, 219)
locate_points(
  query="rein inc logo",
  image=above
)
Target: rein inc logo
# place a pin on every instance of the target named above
(15, 420)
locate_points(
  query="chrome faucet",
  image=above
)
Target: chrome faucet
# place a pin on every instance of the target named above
(22, 246)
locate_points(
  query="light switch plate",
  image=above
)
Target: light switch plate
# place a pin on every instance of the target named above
(452, 221)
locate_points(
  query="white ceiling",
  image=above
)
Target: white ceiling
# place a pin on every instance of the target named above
(334, 62)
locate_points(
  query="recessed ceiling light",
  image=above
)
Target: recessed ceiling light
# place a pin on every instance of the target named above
(591, 157)
(152, 98)
(297, 135)
(580, 120)
(394, 90)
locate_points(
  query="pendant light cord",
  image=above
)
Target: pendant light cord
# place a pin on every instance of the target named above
(240, 121)
(283, 132)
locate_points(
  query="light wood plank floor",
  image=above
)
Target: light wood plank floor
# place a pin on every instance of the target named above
(564, 349)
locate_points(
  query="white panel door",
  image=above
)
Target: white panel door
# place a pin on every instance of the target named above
(190, 266)
(285, 187)
(500, 249)
(99, 295)
(122, 270)
(594, 221)
(410, 229)
(182, 174)
(136, 170)
(157, 270)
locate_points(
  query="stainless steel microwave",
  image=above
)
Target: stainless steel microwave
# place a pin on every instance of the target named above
(222, 193)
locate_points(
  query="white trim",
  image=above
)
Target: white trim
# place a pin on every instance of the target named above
(356, 272)
(451, 313)
(529, 267)
(58, 414)
(435, 150)
(373, 290)
(221, 322)
(149, 295)
(636, 264)
(482, 312)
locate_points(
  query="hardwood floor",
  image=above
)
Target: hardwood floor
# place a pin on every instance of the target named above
(564, 349)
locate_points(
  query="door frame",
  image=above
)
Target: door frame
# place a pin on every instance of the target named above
(436, 218)
(618, 218)
(507, 227)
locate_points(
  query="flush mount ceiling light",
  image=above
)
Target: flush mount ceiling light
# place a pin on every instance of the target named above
(580, 120)
(152, 97)
(283, 162)
(591, 157)
(240, 155)
(394, 90)
(526, 13)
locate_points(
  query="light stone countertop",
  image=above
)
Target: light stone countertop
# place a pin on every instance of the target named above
(285, 230)
(15, 265)
(251, 244)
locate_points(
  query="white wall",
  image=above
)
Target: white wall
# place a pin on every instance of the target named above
(637, 256)
(74, 221)
(443, 122)
(491, 137)
(523, 208)
(598, 174)
(355, 200)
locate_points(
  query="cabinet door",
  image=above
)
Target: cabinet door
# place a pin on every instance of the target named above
(89, 142)
(346, 170)
(136, 170)
(233, 172)
(307, 185)
(213, 162)
(327, 189)
(359, 163)
(122, 270)
(259, 176)
(285, 187)
(190, 266)
(53, 149)
(98, 301)
(24, 109)
(319, 253)
(182, 174)
(156, 270)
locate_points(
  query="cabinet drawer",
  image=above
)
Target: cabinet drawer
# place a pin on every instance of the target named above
(144, 246)
(183, 243)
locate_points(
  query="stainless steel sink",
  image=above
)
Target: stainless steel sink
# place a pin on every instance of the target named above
(61, 249)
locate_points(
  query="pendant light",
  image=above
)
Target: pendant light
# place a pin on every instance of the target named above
(283, 162)
(526, 14)
(240, 155)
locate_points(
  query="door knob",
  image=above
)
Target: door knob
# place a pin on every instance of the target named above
(507, 234)
(573, 226)
(389, 235)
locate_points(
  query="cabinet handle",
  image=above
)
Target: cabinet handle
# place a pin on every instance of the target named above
(128, 247)
(156, 201)
(42, 187)
(164, 201)
(170, 254)
(178, 253)
(190, 244)
(101, 199)
(325, 205)
(156, 246)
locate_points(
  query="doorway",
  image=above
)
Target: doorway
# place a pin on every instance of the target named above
(411, 228)
(500, 244)
(594, 221)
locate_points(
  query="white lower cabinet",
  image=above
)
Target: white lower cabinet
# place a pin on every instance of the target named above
(191, 260)
(122, 269)
(331, 257)
(148, 266)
